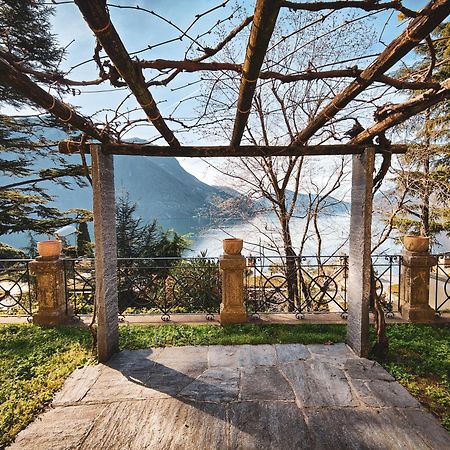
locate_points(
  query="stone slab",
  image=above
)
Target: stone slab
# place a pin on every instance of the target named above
(217, 384)
(379, 393)
(77, 385)
(267, 425)
(188, 354)
(60, 428)
(362, 428)
(241, 355)
(134, 358)
(319, 384)
(291, 352)
(365, 369)
(264, 383)
(159, 424)
(427, 427)
(331, 352)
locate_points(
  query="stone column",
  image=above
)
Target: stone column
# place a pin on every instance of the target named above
(415, 286)
(105, 254)
(232, 309)
(50, 292)
(359, 252)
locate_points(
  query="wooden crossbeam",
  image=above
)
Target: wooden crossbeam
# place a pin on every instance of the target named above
(70, 147)
(189, 65)
(98, 19)
(343, 4)
(399, 113)
(419, 28)
(22, 84)
(264, 20)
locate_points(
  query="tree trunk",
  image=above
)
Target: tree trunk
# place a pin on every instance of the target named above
(291, 264)
(425, 206)
(381, 346)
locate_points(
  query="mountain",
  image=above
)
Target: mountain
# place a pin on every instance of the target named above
(162, 188)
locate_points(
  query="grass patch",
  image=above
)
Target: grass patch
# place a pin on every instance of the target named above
(135, 336)
(34, 362)
(419, 358)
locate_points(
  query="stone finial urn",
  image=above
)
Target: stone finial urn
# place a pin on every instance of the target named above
(232, 246)
(418, 244)
(49, 249)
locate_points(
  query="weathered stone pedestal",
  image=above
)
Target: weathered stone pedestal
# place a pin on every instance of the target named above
(415, 286)
(50, 292)
(232, 308)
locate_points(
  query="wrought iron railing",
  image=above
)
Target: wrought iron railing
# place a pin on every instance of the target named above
(17, 293)
(151, 285)
(307, 284)
(440, 282)
(192, 285)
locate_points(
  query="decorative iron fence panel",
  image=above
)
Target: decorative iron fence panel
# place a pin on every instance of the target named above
(80, 284)
(388, 269)
(440, 278)
(309, 284)
(151, 286)
(17, 293)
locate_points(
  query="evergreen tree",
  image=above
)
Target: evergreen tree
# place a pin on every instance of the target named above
(84, 244)
(31, 249)
(25, 37)
(425, 170)
(136, 239)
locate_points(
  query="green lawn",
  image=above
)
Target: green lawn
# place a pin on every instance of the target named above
(35, 361)
(134, 337)
(419, 358)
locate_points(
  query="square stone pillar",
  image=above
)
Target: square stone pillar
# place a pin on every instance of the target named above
(105, 254)
(359, 252)
(232, 309)
(50, 292)
(415, 286)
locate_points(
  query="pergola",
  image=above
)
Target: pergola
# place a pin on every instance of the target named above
(263, 22)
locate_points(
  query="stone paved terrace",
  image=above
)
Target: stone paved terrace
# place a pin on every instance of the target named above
(288, 396)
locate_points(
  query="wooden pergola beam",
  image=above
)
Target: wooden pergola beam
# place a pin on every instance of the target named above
(264, 20)
(189, 65)
(419, 28)
(22, 84)
(70, 147)
(99, 21)
(343, 4)
(396, 114)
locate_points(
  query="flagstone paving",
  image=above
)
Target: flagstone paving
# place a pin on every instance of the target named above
(279, 397)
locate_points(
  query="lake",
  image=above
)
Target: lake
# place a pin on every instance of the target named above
(259, 234)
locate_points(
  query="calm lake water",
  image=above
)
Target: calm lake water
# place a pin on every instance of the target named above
(261, 233)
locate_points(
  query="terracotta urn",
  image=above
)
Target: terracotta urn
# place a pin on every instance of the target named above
(419, 244)
(232, 246)
(49, 249)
